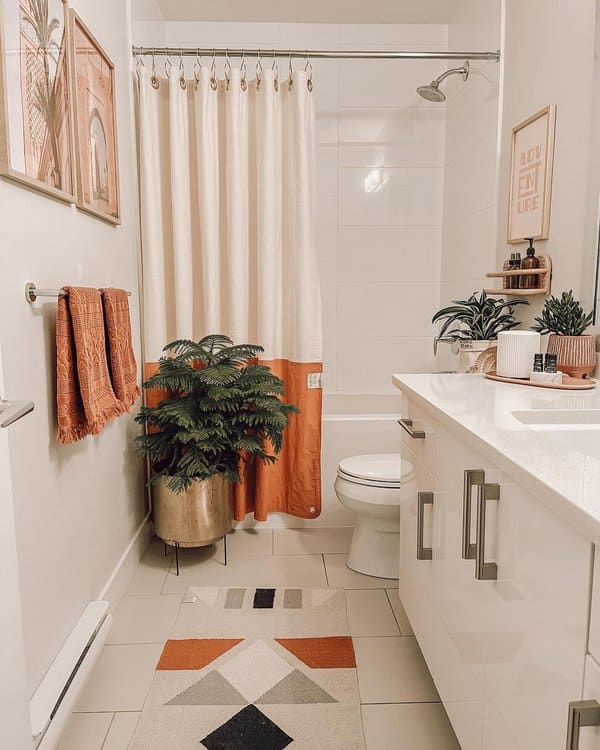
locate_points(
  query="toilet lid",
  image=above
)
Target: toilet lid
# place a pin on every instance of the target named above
(377, 468)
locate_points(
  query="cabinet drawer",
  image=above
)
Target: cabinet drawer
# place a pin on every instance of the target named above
(535, 629)
(425, 449)
(416, 576)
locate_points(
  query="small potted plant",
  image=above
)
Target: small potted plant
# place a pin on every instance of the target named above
(473, 325)
(220, 408)
(565, 320)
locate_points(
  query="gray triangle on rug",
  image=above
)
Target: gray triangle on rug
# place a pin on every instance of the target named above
(296, 688)
(211, 690)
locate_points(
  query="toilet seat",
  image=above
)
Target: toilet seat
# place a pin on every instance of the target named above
(385, 470)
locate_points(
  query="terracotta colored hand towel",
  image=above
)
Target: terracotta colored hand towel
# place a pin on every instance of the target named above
(84, 394)
(123, 367)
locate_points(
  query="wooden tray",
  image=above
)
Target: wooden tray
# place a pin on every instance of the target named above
(568, 384)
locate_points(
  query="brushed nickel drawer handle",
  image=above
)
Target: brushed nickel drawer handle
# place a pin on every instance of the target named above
(484, 571)
(581, 714)
(423, 499)
(473, 477)
(407, 426)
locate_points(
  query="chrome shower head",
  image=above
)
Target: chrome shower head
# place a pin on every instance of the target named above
(432, 92)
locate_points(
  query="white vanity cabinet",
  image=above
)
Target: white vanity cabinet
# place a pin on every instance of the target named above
(416, 564)
(504, 635)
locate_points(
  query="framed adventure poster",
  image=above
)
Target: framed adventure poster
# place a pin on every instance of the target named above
(36, 113)
(532, 156)
(95, 125)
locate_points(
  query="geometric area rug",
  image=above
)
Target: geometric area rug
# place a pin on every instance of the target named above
(255, 669)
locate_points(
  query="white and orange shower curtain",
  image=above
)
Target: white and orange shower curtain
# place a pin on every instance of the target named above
(227, 190)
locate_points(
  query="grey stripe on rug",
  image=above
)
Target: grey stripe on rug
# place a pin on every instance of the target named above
(255, 669)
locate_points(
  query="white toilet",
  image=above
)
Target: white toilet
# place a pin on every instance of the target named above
(373, 486)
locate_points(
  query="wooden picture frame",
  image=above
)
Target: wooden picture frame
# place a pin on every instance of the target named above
(37, 145)
(532, 158)
(97, 153)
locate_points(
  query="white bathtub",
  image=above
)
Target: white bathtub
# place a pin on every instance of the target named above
(352, 424)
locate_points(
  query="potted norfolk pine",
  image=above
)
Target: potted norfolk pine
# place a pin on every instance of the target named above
(220, 409)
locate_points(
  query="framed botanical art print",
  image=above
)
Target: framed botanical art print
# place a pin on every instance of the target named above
(36, 123)
(532, 157)
(95, 125)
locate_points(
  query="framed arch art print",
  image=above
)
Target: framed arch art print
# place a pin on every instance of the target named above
(37, 146)
(97, 161)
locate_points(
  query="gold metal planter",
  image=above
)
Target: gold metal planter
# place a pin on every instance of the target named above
(195, 518)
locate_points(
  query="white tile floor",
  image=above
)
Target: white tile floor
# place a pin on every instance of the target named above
(401, 707)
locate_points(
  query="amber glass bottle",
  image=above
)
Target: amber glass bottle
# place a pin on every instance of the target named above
(529, 280)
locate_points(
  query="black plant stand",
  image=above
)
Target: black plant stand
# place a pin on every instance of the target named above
(177, 553)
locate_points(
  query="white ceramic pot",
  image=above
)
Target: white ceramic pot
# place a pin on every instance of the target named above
(469, 353)
(515, 353)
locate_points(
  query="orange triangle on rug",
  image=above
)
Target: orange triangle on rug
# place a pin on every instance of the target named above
(194, 653)
(336, 652)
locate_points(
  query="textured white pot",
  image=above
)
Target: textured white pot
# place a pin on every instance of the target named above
(515, 353)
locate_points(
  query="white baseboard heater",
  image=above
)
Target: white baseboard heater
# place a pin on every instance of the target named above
(54, 700)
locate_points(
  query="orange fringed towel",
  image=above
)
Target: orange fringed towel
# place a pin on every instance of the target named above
(123, 366)
(85, 397)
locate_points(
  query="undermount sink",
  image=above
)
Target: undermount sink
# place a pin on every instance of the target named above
(558, 419)
(570, 429)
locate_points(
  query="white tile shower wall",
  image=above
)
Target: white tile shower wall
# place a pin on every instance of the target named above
(380, 182)
(471, 155)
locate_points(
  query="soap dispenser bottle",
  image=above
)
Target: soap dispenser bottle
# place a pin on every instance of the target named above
(529, 280)
(510, 280)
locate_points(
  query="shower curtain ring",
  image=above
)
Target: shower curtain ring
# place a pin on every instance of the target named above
(168, 65)
(309, 71)
(153, 77)
(243, 83)
(227, 70)
(290, 72)
(197, 69)
(259, 70)
(182, 81)
(213, 70)
(276, 71)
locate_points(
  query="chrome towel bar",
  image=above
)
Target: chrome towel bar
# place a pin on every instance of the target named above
(32, 292)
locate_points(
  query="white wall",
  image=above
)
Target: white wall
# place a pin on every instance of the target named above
(379, 251)
(470, 178)
(549, 59)
(15, 728)
(149, 26)
(76, 507)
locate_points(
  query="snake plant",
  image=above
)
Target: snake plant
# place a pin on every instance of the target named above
(477, 318)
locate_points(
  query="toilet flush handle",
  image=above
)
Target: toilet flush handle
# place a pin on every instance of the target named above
(407, 426)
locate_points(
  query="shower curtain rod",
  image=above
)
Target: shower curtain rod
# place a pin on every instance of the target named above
(328, 54)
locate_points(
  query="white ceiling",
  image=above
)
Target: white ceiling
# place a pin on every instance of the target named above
(311, 11)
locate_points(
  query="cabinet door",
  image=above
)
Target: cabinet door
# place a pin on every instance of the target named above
(535, 634)
(589, 737)
(416, 576)
(460, 631)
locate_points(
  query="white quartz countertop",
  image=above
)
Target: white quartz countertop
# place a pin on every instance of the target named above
(558, 463)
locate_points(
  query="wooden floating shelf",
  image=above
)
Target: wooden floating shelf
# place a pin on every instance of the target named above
(514, 292)
(544, 273)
